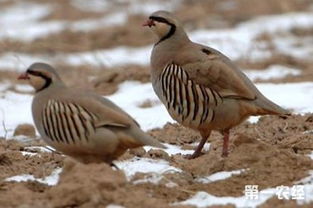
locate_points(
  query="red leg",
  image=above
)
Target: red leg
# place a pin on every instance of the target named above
(198, 150)
(225, 143)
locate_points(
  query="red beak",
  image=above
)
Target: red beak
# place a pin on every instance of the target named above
(149, 23)
(23, 76)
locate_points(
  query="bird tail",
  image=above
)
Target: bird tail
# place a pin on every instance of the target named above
(268, 107)
(145, 139)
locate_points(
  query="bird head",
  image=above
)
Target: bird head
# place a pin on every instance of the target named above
(40, 76)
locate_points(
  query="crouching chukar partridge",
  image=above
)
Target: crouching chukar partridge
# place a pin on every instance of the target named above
(79, 123)
(200, 87)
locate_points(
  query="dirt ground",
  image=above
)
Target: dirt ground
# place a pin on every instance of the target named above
(273, 151)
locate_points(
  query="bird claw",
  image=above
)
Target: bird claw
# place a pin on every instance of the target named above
(193, 156)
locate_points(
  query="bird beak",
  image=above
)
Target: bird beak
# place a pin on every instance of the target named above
(23, 76)
(149, 23)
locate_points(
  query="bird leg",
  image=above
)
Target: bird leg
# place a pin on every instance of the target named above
(198, 152)
(225, 143)
(114, 166)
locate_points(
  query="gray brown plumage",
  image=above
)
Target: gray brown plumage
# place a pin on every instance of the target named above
(200, 87)
(80, 123)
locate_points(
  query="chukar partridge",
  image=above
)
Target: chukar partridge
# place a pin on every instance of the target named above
(200, 87)
(79, 123)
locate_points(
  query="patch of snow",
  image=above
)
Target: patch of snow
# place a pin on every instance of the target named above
(296, 96)
(219, 176)
(112, 57)
(114, 19)
(294, 46)
(311, 155)
(19, 61)
(18, 23)
(239, 42)
(308, 188)
(15, 109)
(253, 119)
(91, 5)
(24, 88)
(145, 165)
(25, 153)
(152, 178)
(203, 199)
(50, 180)
(171, 149)
(308, 132)
(19, 14)
(148, 7)
(114, 206)
(127, 98)
(4, 86)
(274, 71)
(155, 178)
(279, 22)
(38, 148)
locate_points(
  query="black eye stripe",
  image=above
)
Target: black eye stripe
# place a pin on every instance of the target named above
(160, 19)
(35, 73)
(47, 79)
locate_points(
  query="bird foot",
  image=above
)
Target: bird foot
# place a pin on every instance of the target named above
(193, 156)
(225, 154)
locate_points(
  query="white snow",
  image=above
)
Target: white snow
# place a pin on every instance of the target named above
(115, 19)
(15, 109)
(171, 149)
(145, 165)
(114, 206)
(25, 153)
(308, 188)
(19, 62)
(238, 42)
(50, 180)
(203, 199)
(274, 71)
(112, 57)
(130, 94)
(219, 176)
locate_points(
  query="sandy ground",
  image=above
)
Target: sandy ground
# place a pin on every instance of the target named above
(271, 152)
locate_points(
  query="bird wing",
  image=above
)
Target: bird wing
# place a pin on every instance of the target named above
(213, 70)
(106, 115)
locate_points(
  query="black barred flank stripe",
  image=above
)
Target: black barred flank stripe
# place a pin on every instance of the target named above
(74, 123)
(63, 127)
(49, 122)
(195, 100)
(189, 100)
(205, 109)
(53, 128)
(45, 123)
(82, 122)
(70, 123)
(67, 122)
(57, 123)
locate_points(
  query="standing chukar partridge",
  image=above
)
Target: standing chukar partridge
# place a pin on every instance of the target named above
(200, 87)
(79, 123)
